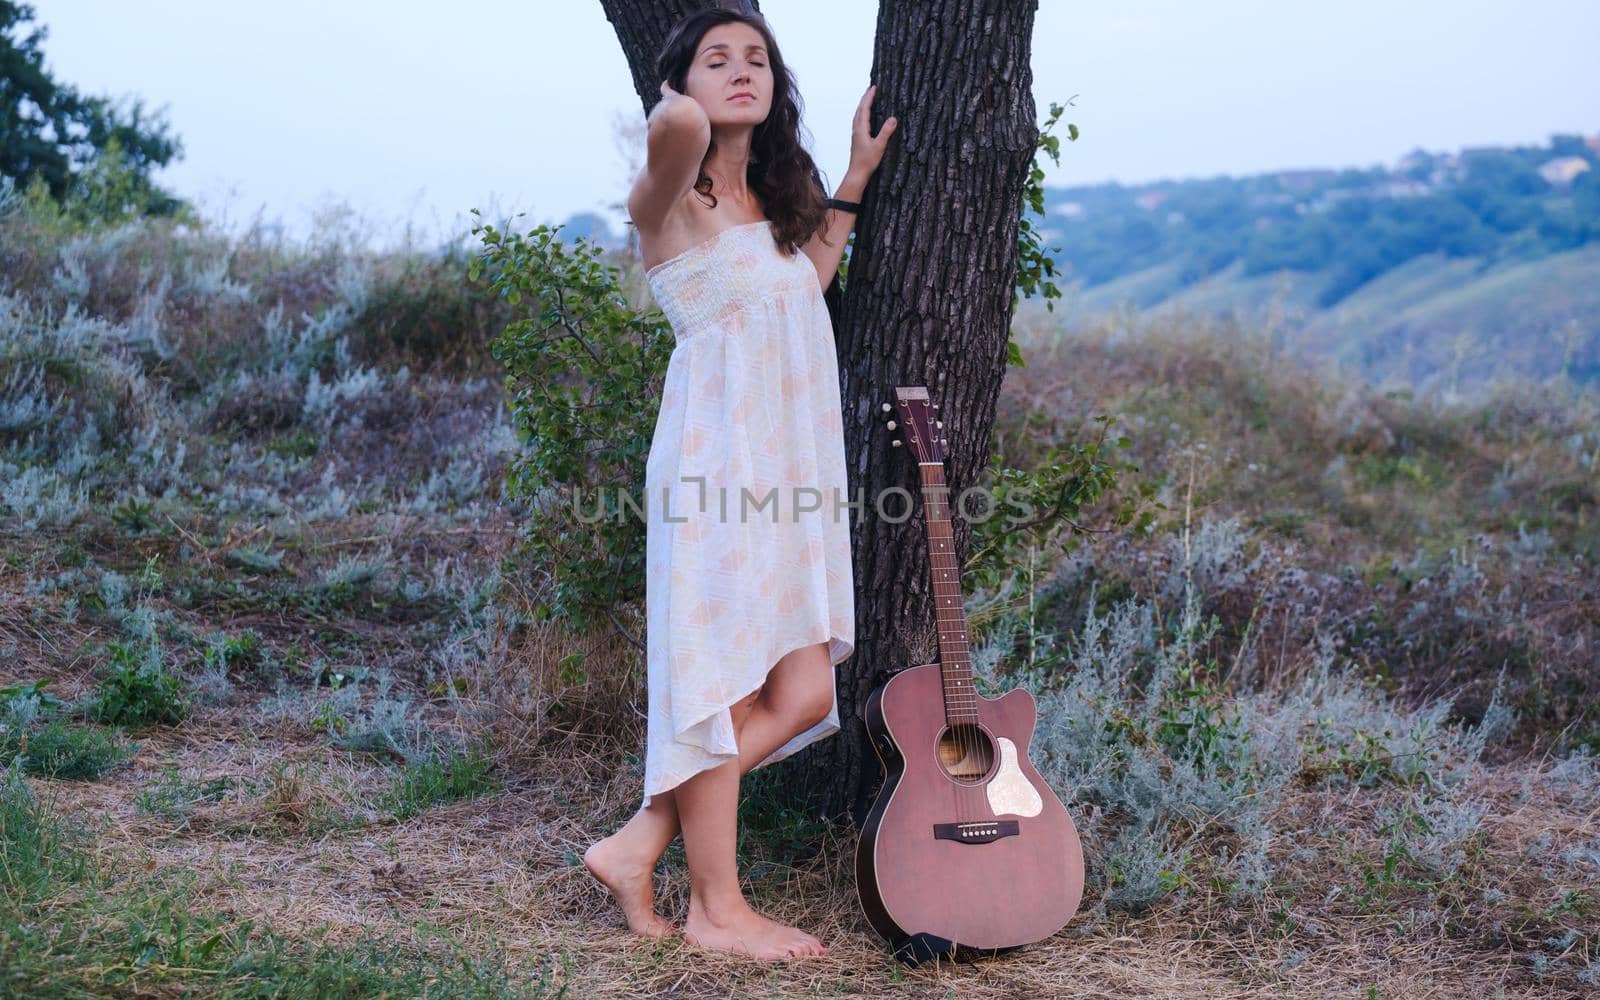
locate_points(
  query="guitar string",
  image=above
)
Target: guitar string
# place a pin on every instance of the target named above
(931, 520)
(965, 702)
(971, 744)
(967, 738)
(933, 516)
(930, 516)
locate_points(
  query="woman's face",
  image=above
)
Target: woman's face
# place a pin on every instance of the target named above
(732, 61)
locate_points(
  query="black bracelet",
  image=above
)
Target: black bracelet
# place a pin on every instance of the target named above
(844, 206)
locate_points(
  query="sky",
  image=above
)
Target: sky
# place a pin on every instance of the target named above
(405, 114)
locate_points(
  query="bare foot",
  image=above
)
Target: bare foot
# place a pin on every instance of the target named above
(630, 884)
(745, 932)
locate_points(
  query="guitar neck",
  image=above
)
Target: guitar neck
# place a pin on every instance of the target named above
(955, 665)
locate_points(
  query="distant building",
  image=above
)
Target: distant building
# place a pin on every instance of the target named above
(1400, 187)
(1325, 199)
(1301, 179)
(1150, 199)
(1070, 209)
(1561, 171)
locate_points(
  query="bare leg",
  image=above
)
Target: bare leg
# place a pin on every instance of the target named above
(625, 861)
(624, 865)
(719, 917)
(798, 693)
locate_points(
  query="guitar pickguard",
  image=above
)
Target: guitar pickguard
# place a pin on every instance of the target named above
(1010, 791)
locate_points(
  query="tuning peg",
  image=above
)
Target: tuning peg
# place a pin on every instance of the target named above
(935, 406)
(943, 442)
(895, 442)
(887, 407)
(939, 424)
(891, 425)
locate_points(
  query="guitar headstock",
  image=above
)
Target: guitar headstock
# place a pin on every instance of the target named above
(919, 422)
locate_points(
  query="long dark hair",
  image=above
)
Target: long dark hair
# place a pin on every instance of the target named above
(781, 172)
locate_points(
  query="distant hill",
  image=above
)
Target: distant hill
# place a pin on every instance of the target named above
(1444, 269)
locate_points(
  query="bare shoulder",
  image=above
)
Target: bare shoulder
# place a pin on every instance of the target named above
(689, 223)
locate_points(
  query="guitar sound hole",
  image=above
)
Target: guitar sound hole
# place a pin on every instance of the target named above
(966, 753)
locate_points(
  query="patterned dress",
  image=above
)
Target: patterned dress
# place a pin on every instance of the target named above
(748, 550)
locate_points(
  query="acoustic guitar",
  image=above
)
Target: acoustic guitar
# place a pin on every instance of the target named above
(965, 850)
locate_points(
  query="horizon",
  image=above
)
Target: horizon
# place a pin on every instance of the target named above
(333, 130)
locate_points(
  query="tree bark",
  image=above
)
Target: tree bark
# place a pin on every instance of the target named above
(928, 301)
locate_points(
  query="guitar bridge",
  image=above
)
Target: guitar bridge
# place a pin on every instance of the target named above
(976, 833)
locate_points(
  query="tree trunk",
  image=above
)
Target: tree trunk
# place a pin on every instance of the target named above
(928, 302)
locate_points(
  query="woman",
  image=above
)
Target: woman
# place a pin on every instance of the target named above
(749, 593)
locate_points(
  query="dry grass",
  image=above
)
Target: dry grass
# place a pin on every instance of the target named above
(499, 874)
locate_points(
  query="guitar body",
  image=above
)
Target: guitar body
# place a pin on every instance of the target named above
(983, 859)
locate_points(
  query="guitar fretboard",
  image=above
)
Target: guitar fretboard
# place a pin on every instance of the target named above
(955, 666)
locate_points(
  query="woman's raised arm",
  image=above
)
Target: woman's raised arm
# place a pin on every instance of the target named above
(678, 134)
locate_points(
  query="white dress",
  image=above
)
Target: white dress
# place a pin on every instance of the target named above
(748, 532)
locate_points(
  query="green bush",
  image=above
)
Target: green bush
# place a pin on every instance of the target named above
(173, 796)
(579, 362)
(138, 691)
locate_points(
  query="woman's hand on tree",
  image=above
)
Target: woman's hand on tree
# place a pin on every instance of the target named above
(866, 149)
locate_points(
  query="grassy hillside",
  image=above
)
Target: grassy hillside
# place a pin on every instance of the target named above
(1447, 269)
(279, 720)
(1434, 323)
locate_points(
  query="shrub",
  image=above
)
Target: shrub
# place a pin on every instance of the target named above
(428, 315)
(60, 750)
(1140, 716)
(48, 746)
(578, 359)
(243, 650)
(138, 691)
(385, 726)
